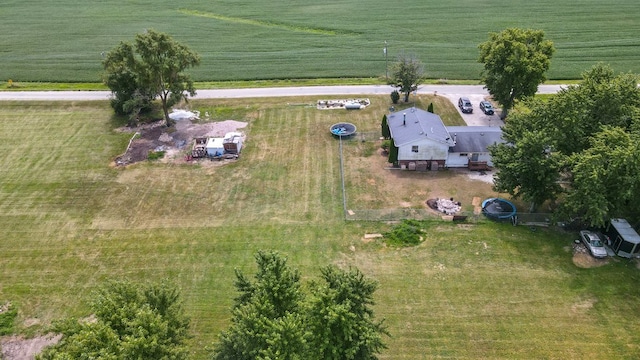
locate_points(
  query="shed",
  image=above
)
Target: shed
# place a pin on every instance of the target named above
(232, 142)
(625, 241)
(215, 147)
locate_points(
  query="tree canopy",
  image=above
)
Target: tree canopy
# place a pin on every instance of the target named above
(273, 318)
(579, 148)
(515, 62)
(131, 322)
(407, 74)
(153, 66)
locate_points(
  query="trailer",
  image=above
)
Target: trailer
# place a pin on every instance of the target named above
(623, 239)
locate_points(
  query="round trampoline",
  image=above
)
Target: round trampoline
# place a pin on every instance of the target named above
(342, 129)
(498, 209)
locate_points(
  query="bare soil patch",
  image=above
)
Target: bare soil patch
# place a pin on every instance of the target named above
(18, 348)
(176, 141)
(582, 258)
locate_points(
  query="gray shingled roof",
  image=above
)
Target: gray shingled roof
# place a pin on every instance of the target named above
(413, 124)
(474, 138)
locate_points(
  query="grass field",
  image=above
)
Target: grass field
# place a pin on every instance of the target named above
(62, 41)
(69, 221)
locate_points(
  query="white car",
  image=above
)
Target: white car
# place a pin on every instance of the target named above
(593, 243)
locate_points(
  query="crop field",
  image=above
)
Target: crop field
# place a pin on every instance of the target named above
(63, 40)
(69, 221)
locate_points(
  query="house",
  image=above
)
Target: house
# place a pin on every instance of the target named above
(470, 146)
(422, 140)
(424, 143)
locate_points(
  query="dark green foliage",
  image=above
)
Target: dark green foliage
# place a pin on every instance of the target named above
(515, 62)
(7, 318)
(274, 319)
(395, 96)
(430, 108)
(393, 153)
(407, 74)
(131, 322)
(407, 233)
(386, 133)
(155, 155)
(386, 144)
(341, 320)
(152, 67)
(579, 149)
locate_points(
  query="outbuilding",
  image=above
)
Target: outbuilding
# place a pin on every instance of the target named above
(624, 240)
(215, 147)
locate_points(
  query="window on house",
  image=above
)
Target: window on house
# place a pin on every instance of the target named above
(414, 148)
(463, 154)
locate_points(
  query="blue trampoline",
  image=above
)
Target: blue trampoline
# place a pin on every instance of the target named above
(498, 209)
(343, 129)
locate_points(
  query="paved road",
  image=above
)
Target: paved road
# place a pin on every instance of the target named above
(267, 92)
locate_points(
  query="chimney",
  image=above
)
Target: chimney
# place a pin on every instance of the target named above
(404, 119)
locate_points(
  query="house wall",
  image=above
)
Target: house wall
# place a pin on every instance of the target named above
(457, 160)
(427, 150)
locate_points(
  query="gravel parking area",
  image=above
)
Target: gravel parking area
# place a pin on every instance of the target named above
(477, 118)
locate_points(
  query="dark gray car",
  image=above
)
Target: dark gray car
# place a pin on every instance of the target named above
(465, 105)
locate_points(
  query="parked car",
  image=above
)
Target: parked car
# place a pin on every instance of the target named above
(594, 243)
(465, 105)
(486, 107)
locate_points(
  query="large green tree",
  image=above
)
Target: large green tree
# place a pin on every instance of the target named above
(131, 322)
(577, 148)
(152, 67)
(515, 62)
(340, 319)
(273, 318)
(407, 74)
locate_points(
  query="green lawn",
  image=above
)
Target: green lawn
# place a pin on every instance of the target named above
(62, 41)
(69, 221)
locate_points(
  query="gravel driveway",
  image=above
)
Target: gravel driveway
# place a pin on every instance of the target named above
(477, 118)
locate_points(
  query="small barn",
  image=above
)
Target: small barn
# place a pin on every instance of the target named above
(470, 149)
(422, 140)
(624, 240)
(215, 147)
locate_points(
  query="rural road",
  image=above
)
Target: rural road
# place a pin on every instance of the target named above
(266, 92)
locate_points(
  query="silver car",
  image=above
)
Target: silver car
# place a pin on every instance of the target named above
(593, 243)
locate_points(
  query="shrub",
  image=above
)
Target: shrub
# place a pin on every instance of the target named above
(155, 155)
(395, 96)
(407, 233)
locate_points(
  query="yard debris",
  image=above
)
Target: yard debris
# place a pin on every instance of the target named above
(353, 104)
(446, 206)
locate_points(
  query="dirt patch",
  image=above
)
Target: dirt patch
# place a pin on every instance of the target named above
(175, 141)
(18, 348)
(582, 258)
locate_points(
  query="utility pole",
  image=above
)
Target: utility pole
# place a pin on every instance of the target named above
(386, 63)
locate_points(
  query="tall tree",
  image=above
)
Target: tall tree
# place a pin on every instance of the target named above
(273, 319)
(386, 133)
(154, 67)
(341, 321)
(132, 322)
(266, 318)
(407, 74)
(562, 149)
(515, 62)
